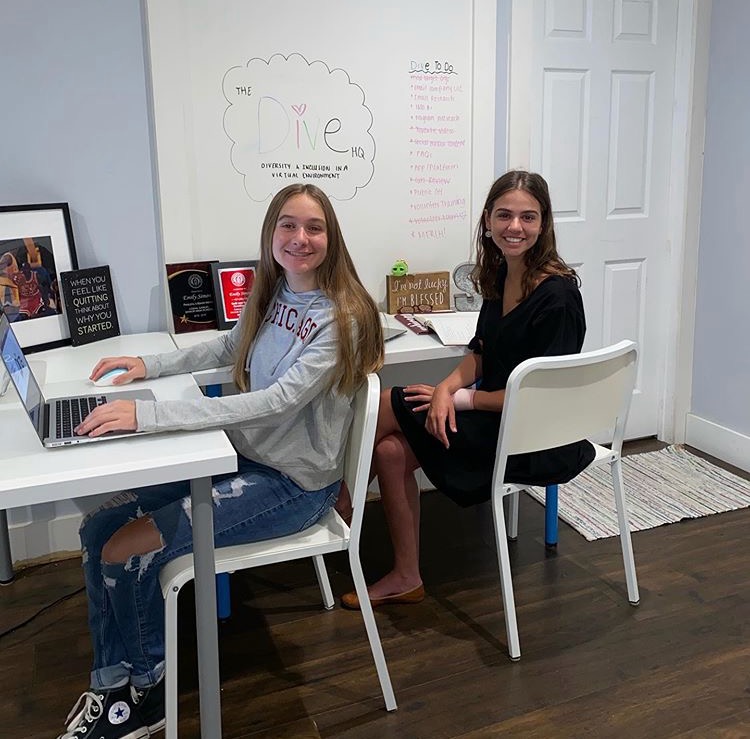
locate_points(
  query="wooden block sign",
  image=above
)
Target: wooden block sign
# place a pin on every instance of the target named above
(89, 305)
(422, 292)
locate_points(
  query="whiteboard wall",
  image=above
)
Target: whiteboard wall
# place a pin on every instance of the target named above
(387, 106)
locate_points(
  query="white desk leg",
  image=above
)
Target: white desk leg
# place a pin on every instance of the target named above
(6, 563)
(205, 608)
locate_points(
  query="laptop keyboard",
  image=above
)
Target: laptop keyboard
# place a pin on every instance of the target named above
(69, 412)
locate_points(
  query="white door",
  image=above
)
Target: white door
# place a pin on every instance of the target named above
(591, 108)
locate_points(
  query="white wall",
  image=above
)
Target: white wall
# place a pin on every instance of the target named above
(719, 422)
(241, 106)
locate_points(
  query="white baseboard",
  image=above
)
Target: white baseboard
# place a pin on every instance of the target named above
(723, 443)
(35, 539)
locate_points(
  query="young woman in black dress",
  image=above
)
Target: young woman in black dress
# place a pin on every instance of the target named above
(532, 307)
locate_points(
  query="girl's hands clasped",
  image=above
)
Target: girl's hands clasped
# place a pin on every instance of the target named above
(441, 415)
(421, 394)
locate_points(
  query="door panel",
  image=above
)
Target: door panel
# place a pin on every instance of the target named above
(592, 81)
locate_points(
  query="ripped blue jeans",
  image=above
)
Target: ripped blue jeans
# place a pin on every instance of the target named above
(126, 608)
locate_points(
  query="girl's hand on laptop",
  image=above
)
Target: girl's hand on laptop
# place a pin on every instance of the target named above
(136, 370)
(117, 415)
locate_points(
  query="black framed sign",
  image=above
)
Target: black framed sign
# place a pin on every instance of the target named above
(233, 283)
(36, 245)
(191, 296)
(90, 304)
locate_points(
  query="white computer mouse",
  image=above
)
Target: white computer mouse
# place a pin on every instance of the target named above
(106, 379)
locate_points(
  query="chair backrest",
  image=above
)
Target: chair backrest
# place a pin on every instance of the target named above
(359, 448)
(551, 401)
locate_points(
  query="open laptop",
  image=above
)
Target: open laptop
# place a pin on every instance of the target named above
(55, 419)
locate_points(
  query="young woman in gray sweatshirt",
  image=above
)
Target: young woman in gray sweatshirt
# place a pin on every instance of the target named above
(306, 339)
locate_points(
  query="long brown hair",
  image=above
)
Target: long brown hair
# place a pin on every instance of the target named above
(355, 312)
(541, 260)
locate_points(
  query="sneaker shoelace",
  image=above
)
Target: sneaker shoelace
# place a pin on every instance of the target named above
(136, 694)
(92, 709)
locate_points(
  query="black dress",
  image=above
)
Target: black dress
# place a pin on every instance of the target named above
(548, 322)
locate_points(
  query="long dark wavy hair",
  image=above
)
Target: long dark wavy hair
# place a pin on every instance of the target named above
(541, 260)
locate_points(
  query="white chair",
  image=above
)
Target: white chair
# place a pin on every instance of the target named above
(551, 401)
(330, 534)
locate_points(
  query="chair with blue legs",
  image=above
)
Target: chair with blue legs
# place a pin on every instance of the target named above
(552, 401)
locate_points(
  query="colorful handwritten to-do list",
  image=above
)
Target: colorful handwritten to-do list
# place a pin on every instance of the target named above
(437, 148)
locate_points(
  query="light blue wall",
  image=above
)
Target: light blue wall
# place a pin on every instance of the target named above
(721, 365)
(74, 128)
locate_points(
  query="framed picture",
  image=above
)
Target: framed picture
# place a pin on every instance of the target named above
(233, 283)
(36, 245)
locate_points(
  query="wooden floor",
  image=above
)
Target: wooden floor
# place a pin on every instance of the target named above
(592, 665)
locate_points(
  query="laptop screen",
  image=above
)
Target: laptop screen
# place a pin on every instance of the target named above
(20, 372)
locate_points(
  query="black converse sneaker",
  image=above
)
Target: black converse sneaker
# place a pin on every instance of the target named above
(105, 714)
(150, 705)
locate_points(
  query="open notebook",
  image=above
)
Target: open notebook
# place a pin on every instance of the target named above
(453, 329)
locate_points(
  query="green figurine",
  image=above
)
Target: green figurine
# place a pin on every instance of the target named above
(400, 268)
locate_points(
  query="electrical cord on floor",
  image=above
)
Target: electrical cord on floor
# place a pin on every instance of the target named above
(42, 610)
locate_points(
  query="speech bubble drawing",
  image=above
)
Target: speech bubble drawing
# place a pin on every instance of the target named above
(293, 120)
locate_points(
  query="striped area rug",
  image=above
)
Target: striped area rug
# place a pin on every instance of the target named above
(660, 487)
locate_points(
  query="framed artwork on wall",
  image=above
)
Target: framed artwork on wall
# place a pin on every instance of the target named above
(36, 245)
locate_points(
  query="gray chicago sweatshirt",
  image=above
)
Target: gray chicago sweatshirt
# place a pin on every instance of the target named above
(289, 420)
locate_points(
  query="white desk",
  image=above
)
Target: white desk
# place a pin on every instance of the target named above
(408, 348)
(31, 474)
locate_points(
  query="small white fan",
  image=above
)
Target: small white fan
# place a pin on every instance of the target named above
(469, 298)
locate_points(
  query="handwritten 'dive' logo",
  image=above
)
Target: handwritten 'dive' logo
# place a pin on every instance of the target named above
(290, 118)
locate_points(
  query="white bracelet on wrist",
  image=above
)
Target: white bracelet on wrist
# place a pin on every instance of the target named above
(463, 399)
